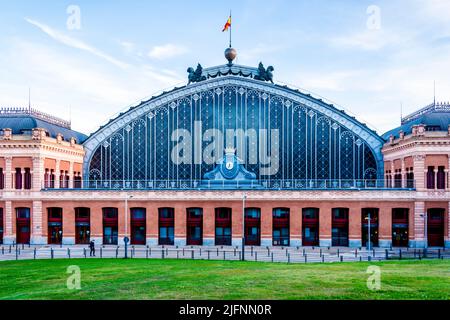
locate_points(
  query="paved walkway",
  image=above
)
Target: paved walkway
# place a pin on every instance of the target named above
(267, 254)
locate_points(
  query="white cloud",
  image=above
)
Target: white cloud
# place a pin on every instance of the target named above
(167, 51)
(368, 40)
(75, 43)
(59, 81)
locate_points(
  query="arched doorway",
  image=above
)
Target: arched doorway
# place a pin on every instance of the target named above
(223, 227)
(166, 226)
(1, 225)
(252, 226)
(281, 232)
(194, 225)
(55, 226)
(110, 225)
(23, 225)
(339, 227)
(400, 227)
(310, 226)
(82, 225)
(138, 220)
(373, 212)
(435, 227)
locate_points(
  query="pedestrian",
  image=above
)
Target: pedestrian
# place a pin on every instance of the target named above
(92, 248)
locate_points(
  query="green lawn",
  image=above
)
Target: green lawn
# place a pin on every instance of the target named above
(186, 279)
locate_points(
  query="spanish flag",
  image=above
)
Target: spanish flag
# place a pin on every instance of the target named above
(227, 25)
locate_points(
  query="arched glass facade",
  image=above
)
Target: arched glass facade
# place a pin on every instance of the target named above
(280, 135)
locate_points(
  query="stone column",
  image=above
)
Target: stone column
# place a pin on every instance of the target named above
(68, 225)
(295, 226)
(325, 226)
(385, 227)
(419, 172)
(71, 175)
(22, 172)
(8, 173)
(57, 174)
(180, 225)
(435, 179)
(209, 232)
(354, 226)
(266, 226)
(403, 174)
(9, 236)
(38, 173)
(419, 225)
(392, 174)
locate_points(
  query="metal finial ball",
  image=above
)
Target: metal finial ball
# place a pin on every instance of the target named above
(230, 54)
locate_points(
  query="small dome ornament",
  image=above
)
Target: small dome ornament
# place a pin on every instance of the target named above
(230, 55)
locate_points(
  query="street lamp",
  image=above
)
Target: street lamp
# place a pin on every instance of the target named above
(244, 197)
(425, 231)
(126, 213)
(368, 232)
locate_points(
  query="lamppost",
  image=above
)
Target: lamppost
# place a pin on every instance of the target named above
(125, 238)
(244, 197)
(425, 227)
(369, 238)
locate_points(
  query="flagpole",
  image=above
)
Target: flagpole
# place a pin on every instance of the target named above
(231, 25)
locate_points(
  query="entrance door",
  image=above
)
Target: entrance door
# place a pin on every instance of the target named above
(280, 231)
(435, 227)
(400, 227)
(194, 226)
(339, 230)
(310, 226)
(82, 225)
(223, 227)
(166, 226)
(110, 226)
(138, 221)
(55, 230)
(23, 225)
(1, 225)
(252, 226)
(373, 212)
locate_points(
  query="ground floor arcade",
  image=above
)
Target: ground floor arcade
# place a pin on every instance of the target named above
(266, 223)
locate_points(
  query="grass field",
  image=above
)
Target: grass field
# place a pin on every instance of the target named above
(178, 279)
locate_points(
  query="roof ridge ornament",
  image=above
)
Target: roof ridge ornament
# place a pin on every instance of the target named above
(264, 74)
(196, 75)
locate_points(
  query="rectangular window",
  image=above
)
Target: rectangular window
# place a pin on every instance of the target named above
(2, 179)
(27, 179)
(18, 179)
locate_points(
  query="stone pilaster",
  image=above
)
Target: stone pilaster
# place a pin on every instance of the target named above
(8, 173)
(419, 172)
(57, 174)
(9, 235)
(36, 224)
(38, 173)
(403, 173)
(419, 225)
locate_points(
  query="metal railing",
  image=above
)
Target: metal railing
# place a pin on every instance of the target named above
(281, 254)
(433, 107)
(298, 184)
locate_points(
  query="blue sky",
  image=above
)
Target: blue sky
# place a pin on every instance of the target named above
(128, 50)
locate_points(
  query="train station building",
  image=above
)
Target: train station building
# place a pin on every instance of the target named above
(229, 156)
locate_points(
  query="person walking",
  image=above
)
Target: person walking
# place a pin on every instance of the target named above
(92, 248)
